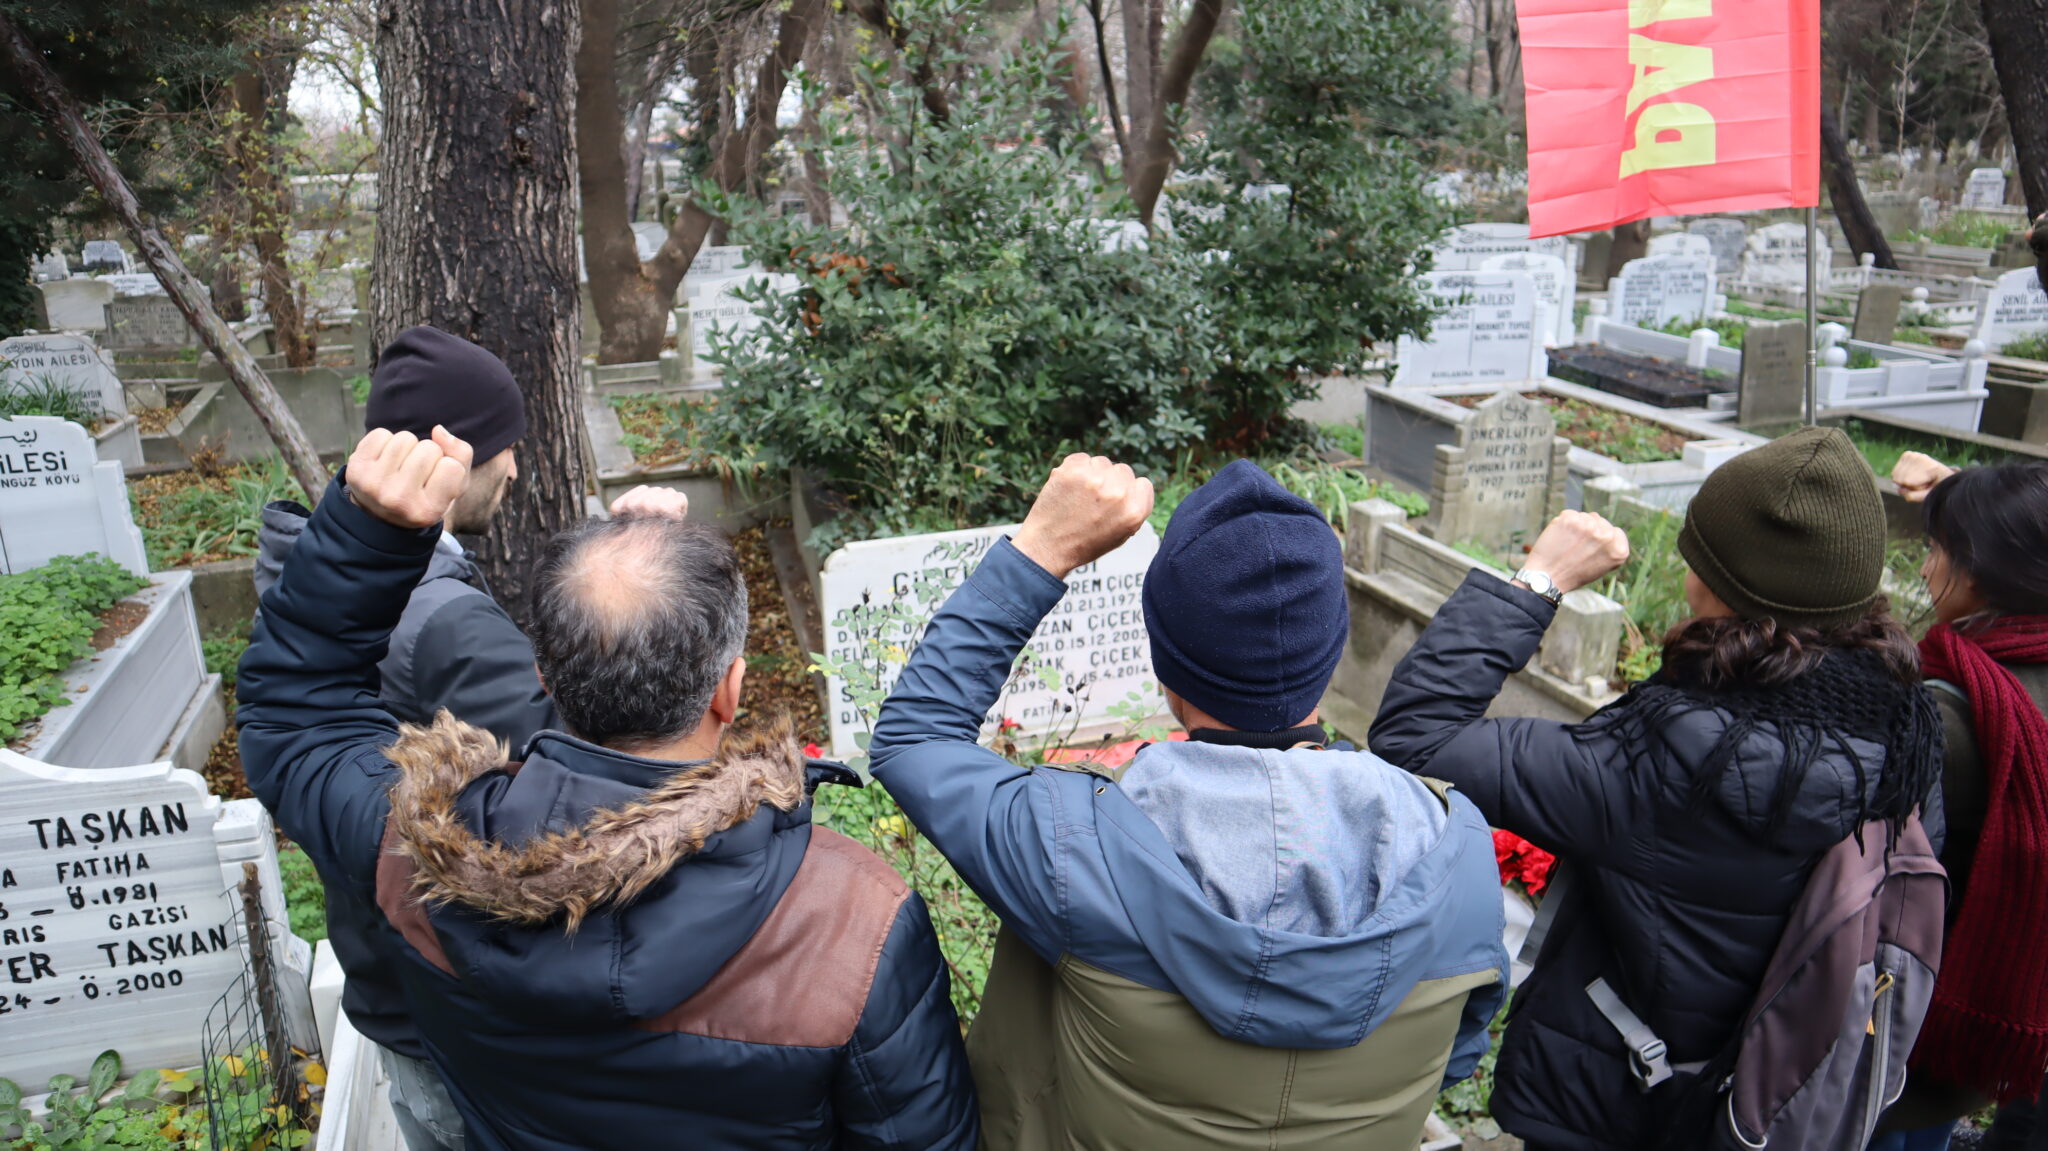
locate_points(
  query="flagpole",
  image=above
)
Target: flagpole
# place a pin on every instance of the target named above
(1812, 313)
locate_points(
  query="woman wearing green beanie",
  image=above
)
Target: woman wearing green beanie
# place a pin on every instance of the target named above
(1787, 712)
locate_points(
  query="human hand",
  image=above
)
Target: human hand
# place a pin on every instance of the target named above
(1086, 510)
(1577, 549)
(647, 500)
(405, 481)
(1916, 475)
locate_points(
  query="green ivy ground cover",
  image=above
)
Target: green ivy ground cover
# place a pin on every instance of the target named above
(47, 617)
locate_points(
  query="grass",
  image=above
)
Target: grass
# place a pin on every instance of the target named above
(305, 899)
(1912, 334)
(1883, 450)
(44, 395)
(222, 651)
(1346, 438)
(1730, 329)
(1331, 488)
(1617, 435)
(1762, 311)
(2032, 346)
(1962, 230)
(209, 513)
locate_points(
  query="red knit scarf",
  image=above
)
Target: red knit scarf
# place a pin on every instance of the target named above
(1987, 1028)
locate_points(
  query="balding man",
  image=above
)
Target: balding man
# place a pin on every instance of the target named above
(634, 938)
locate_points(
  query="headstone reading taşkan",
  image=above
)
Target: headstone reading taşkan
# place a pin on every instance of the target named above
(56, 499)
(1555, 292)
(138, 322)
(1726, 237)
(1507, 456)
(1773, 384)
(73, 363)
(1486, 332)
(1985, 188)
(1655, 290)
(117, 933)
(1467, 246)
(1877, 313)
(1777, 255)
(2015, 307)
(1087, 657)
(1680, 244)
(76, 305)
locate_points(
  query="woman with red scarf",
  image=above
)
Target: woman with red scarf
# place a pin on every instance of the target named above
(1986, 1035)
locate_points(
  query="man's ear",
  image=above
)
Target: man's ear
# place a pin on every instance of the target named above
(725, 702)
(543, 680)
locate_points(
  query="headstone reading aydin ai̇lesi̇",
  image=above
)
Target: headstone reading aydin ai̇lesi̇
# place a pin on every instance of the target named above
(2015, 307)
(1877, 313)
(58, 499)
(1656, 290)
(1496, 488)
(71, 362)
(1772, 389)
(1486, 332)
(1086, 658)
(1726, 237)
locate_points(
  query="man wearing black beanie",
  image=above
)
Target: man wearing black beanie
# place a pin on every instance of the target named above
(454, 649)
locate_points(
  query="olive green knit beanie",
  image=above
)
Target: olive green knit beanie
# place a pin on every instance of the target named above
(1794, 530)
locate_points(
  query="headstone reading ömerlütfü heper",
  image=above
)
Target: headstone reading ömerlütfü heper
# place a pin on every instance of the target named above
(1501, 492)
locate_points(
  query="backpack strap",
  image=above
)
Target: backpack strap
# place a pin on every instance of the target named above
(1648, 1064)
(1546, 913)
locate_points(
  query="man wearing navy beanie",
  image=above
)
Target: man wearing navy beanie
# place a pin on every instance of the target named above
(1253, 938)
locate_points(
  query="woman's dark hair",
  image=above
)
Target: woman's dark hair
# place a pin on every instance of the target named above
(1724, 652)
(1993, 524)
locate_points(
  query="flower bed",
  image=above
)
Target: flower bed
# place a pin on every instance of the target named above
(207, 513)
(50, 617)
(1615, 434)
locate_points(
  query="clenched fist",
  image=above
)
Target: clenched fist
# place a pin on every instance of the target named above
(647, 500)
(1086, 510)
(1916, 475)
(1577, 549)
(406, 481)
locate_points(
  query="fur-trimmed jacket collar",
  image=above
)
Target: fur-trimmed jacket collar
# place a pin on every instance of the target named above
(607, 861)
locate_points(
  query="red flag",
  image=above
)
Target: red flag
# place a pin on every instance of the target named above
(1669, 107)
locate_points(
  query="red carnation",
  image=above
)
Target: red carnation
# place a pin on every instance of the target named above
(1522, 862)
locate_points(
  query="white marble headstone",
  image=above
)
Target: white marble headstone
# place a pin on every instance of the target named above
(105, 256)
(1468, 246)
(1727, 237)
(720, 260)
(1655, 290)
(57, 499)
(134, 284)
(714, 304)
(1680, 244)
(74, 362)
(118, 933)
(52, 266)
(1095, 639)
(1487, 333)
(76, 305)
(2015, 307)
(1776, 254)
(1985, 188)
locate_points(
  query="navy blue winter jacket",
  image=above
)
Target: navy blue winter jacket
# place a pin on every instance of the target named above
(600, 951)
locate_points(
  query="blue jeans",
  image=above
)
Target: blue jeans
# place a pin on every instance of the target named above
(1925, 1139)
(419, 1100)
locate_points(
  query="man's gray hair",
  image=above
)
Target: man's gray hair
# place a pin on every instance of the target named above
(634, 623)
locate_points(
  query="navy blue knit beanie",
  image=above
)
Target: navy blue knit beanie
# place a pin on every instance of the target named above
(1245, 601)
(429, 377)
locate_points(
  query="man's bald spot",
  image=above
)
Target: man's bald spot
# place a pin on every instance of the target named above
(625, 575)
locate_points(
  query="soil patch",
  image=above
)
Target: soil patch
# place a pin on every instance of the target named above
(660, 431)
(118, 621)
(154, 421)
(779, 681)
(1645, 379)
(223, 770)
(1619, 436)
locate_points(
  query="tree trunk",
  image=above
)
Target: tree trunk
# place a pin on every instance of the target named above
(631, 319)
(267, 197)
(2018, 33)
(1141, 58)
(477, 235)
(1631, 242)
(33, 73)
(1859, 227)
(1147, 172)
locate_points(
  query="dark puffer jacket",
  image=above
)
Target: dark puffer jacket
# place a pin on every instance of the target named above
(1677, 904)
(599, 950)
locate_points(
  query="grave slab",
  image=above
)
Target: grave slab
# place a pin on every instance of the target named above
(75, 305)
(1681, 244)
(1466, 247)
(1090, 655)
(1487, 331)
(1556, 291)
(147, 323)
(1877, 313)
(105, 256)
(1776, 254)
(1505, 479)
(1985, 188)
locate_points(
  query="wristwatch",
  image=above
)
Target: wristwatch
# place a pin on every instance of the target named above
(1541, 584)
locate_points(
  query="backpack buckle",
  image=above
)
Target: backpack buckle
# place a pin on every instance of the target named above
(1648, 1060)
(1648, 1064)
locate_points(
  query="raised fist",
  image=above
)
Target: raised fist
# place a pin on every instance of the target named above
(647, 500)
(1577, 549)
(1086, 510)
(1916, 475)
(405, 481)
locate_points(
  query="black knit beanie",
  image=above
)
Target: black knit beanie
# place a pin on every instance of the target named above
(1245, 601)
(429, 377)
(1793, 530)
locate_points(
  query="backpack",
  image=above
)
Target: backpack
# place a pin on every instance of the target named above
(1822, 1050)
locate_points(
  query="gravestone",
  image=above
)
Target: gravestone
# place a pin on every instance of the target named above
(648, 237)
(714, 304)
(75, 305)
(52, 266)
(1555, 292)
(58, 499)
(1487, 331)
(1777, 255)
(1504, 480)
(137, 323)
(72, 362)
(1655, 290)
(1877, 313)
(1984, 189)
(134, 284)
(1681, 244)
(1468, 246)
(2015, 307)
(720, 260)
(1773, 384)
(119, 933)
(1089, 655)
(1726, 237)
(104, 256)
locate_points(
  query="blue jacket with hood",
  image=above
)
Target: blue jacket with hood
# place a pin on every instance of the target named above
(599, 950)
(1340, 888)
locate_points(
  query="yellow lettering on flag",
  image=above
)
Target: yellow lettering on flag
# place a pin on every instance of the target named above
(1692, 142)
(1662, 68)
(1643, 13)
(1669, 135)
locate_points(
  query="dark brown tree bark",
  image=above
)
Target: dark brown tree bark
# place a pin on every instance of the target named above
(1144, 28)
(1146, 172)
(930, 85)
(24, 61)
(1859, 227)
(267, 199)
(477, 233)
(2018, 34)
(1631, 242)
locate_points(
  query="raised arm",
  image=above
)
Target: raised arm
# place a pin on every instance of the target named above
(312, 730)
